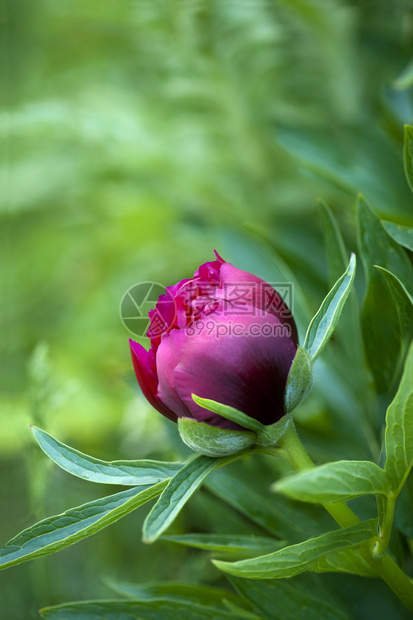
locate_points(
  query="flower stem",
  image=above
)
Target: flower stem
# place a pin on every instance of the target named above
(384, 566)
(385, 533)
(299, 459)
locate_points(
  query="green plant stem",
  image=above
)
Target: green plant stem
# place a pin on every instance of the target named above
(299, 459)
(384, 566)
(385, 532)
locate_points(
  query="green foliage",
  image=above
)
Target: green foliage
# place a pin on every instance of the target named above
(402, 234)
(325, 320)
(299, 381)
(227, 543)
(408, 154)
(214, 441)
(378, 248)
(403, 300)
(61, 531)
(127, 473)
(399, 430)
(287, 599)
(214, 597)
(264, 434)
(132, 610)
(298, 558)
(337, 481)
(177, 493)
(230, 413)
(336, 254)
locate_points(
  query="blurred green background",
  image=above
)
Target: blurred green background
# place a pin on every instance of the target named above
(139, 135)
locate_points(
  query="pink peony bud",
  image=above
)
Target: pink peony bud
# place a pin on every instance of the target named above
(230, 338)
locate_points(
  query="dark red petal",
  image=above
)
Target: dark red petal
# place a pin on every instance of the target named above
(145, 371)
(246, 372)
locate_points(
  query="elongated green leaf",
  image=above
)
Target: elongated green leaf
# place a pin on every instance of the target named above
(274, 513)
(401, 234)
(177, 493)
(404, 508)
(355, 160)
(298, 558)
(229, 413)
(345, 561)
(323, 323)
(408, 154)
(399, 429)
(135, 610)
(61, 531)
(378, 248)
(336, 254)
(127, 473)
(228, 543)
(174, 590)
(403, 300)
(333, 482)
(383, 346)
(287, 600)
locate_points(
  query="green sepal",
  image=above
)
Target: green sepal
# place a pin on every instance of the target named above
(271, 433)
(213, 441)
(265, 435)
(299, 381)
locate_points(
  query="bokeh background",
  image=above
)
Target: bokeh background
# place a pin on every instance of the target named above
(139, 135)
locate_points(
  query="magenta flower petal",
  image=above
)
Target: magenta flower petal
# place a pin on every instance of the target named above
(248, 372)
(145, 371)
(167, 358)
(244, 288)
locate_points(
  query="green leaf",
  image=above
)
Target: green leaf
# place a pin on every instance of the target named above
(338, 481)
(358, 159)
(174, 590)
(323, 323)
(135, 610)
(227, 543)
(277, 515)
(336, 253)
(345, 561)
(60, 531)
(287, 600)
(298, 558)
(127, 473)
(408, 154)
(403, 300)
(378, 339)
(383, 346)
(299, 380)
(265, 435)
(404, 508)
(378, 248)
(402, 234)
(177, 493)
(399, 429)
(229, 413)
(213, 441)
(405, 79)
